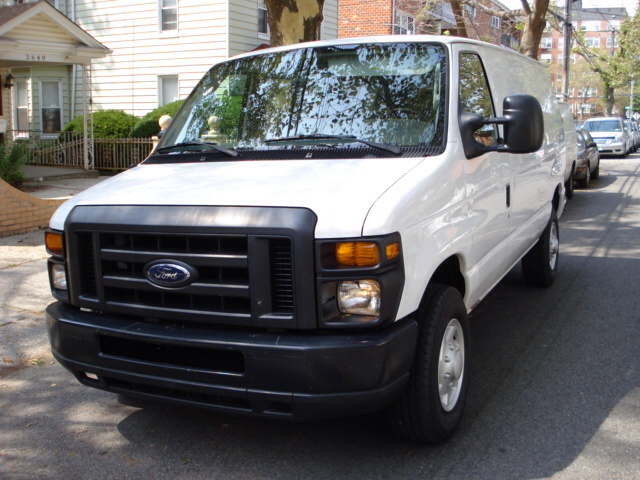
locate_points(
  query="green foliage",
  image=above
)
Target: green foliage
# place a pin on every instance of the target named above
(148, 126)
(106, 124)
(228, 111)
(11, 160)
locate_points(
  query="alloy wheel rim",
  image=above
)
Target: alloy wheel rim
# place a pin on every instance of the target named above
(451, 365)
(554, 246)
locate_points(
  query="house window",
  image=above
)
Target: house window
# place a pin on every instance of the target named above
(51, 105)
(546, 42)
(470, 11)
(168, 89)
(263, 23)
(614, 24)
(21, 107)
(168, 15)
(545, 58)
(405, 24)
(561, 44)
(615, 43)
(590, 26)
(592, 41)
(560, 59)
(495, 22)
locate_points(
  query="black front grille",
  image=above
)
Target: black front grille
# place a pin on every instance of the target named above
(112, 269)
(244, 275)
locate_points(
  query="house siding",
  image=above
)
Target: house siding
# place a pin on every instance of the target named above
(48, 31)
(128, 78)
(208, 31)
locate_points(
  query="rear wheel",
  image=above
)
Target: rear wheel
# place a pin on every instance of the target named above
(584, 182)
(540, 264)
(431, 406)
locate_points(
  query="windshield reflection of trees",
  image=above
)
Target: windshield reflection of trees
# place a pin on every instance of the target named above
(392, 94)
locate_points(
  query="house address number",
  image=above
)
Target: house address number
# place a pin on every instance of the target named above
(40, 58)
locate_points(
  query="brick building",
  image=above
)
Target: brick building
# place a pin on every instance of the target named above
(599, 27)
(357, 18)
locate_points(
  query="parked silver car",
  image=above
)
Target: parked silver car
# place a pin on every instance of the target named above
(610, 134)
(634, 130)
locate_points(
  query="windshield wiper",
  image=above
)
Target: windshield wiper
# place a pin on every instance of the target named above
(323, 136)
(210, 145)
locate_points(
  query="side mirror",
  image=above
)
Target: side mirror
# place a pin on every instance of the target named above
(523, 127)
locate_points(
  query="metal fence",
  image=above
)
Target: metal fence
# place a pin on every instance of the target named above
(66, 149)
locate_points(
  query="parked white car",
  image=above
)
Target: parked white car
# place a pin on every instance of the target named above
(610, 134)
(312, 231)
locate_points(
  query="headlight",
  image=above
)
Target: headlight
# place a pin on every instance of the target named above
(360, 297)
(58, 276)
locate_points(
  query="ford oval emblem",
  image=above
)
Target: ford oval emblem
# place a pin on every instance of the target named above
(169, 273)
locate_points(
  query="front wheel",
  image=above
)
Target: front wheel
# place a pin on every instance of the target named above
(540, 264)
(430, 408)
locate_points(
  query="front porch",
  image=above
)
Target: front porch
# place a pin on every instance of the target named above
(45, 80)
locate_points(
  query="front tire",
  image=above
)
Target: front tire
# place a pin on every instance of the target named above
(430, 408)
(540, 264)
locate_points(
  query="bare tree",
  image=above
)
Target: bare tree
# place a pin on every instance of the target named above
(293, 21)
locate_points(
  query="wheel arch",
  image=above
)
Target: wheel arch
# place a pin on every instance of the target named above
(449, 273)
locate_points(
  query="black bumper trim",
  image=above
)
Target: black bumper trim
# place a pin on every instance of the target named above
(287, 375)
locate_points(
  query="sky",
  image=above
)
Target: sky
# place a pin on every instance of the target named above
(629, 4)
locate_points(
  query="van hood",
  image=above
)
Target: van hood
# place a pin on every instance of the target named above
(339, 192)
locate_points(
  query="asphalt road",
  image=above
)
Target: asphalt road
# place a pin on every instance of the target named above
(555, 390)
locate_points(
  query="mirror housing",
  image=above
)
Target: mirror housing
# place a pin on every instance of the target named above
(523, 127)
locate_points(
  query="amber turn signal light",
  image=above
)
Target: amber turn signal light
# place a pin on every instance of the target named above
(392, 251)
(53, 242)
(357, 254)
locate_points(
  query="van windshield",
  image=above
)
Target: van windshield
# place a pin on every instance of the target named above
(602, 126)
(344, 96)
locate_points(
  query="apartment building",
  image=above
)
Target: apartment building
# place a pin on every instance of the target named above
(598, 27)
(406, 17)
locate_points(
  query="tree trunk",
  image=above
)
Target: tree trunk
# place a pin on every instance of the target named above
(293, 21)
(533, 28)
(609, 100)
(457, 13)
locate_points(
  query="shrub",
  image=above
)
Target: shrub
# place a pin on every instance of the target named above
(106, 124)
(148, 126)
(11, 160)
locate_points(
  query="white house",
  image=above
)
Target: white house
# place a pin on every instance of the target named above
(143, 53)
(161, 48)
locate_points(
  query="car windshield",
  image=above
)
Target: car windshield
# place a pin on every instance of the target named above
(342, 96)
(602, 126)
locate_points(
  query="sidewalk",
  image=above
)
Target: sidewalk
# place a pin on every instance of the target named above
(58, 183)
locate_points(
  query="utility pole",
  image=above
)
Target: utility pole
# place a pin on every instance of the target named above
(566, 30)
(631, 101)
(613, 36)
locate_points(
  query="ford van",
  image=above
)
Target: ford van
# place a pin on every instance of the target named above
(313, 229)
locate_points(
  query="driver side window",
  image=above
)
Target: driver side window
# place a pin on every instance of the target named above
(475, 96)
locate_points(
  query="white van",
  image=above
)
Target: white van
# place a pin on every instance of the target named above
(312, 230)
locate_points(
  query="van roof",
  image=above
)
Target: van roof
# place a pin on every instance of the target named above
(445, 39)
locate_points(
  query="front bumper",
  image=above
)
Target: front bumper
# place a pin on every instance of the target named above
(288, 374)
(613, 149)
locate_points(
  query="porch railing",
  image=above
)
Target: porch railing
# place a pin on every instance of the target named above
(65, 149)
